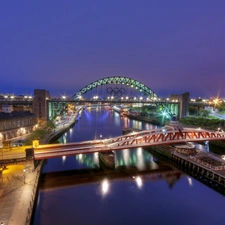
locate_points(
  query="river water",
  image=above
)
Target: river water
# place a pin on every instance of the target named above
(158, 198)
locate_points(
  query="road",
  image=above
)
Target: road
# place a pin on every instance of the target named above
(221, 116)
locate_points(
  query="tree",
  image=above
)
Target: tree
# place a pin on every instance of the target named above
(205, 113)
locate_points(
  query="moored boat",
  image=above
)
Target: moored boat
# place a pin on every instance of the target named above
(108, 159)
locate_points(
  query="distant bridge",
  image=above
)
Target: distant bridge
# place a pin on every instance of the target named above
(115, 90)
(134, 140)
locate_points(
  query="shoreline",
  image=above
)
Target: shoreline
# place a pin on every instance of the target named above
(19, 186)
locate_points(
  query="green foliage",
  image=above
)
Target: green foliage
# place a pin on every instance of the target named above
(50, 125)
(40, 133)
(212, 123)
(193, 111)
(204, 113)
(220, 106)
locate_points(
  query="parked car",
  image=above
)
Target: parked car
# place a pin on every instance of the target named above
(18, 143)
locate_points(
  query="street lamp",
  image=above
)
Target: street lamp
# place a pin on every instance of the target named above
(24, 176)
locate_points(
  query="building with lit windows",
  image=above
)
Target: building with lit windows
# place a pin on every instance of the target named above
(40, 105)
(16, 123)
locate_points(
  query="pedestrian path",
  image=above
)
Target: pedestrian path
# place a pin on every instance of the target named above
(17, 195)
(18, 188)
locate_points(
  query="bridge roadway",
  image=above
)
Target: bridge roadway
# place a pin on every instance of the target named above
(134, 140)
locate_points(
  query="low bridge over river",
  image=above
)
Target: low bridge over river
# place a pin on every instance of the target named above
(144, 138)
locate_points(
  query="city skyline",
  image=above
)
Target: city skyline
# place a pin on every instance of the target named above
(172, 47)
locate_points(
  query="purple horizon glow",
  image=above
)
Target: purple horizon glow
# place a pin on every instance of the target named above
(171, 46)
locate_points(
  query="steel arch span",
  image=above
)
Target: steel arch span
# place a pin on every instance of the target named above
(129, 82)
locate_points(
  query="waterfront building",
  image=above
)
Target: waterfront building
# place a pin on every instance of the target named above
(184, 104)
(15, 123)
(40, 105)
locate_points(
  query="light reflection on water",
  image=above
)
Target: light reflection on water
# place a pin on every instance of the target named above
(135, 157)
(156, 198)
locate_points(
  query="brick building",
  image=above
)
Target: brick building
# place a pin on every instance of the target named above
(40, 105)
(16, 123)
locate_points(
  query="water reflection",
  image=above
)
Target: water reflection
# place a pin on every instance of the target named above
(104, 187)
(131, 194)
(138, 181)
(139, 158)
(63, 159)
(190, 181)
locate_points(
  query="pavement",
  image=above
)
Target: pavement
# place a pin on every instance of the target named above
(18, 186)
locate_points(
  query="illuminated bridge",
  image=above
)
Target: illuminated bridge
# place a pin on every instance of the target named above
(144, 138)
(113, 91)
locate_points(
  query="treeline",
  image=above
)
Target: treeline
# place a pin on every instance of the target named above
(40, 132)
(204, 122)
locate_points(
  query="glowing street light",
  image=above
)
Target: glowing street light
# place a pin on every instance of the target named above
(24, 171)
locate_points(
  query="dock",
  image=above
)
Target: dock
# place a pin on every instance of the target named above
(206, 167)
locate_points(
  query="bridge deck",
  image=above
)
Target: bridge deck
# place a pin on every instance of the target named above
(134, 140)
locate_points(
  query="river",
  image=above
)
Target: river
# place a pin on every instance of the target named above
(152, 197)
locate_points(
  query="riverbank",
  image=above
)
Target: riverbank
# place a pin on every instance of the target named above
(18, 188)
(19, 185)
(145, 119)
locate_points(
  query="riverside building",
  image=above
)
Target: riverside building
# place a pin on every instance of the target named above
(15, 123)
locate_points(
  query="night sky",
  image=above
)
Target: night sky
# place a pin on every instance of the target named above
(172, 46)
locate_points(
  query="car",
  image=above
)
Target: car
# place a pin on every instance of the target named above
(18, 143)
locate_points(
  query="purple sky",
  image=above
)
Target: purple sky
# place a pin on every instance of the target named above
(61, 46)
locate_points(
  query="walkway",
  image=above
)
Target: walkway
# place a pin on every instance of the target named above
(17, 194)
(18, 189)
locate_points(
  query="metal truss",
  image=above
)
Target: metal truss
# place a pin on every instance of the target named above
(150, 138)
(119, 80)
(144, 138)
(131, 83)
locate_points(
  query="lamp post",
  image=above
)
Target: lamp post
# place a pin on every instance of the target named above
(24, 171)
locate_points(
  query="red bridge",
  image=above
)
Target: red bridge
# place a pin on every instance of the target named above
(136, 139)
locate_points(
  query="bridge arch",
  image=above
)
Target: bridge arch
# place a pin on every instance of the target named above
(114, 80)
(127, 83)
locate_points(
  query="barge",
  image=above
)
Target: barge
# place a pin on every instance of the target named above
(107, 158)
